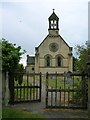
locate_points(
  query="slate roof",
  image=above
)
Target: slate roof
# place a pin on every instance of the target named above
(53, 16)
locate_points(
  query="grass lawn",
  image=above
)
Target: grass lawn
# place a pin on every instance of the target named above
(61, 84)
(18, 113)
(25, 93)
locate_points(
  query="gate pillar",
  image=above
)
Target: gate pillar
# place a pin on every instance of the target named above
(11, 87)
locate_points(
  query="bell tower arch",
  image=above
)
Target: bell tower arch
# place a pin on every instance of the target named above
(53, 23)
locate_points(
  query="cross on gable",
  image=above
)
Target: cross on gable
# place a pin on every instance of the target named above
(53, 10)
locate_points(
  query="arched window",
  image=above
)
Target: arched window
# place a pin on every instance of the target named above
(53, 24)
(47, 60)
(58, 61)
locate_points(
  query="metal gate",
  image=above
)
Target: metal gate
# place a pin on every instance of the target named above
(66, 90)
(25, 87)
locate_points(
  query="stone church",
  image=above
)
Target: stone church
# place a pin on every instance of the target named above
(53, 54)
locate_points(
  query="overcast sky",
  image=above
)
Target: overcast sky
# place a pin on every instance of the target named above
(26, 22)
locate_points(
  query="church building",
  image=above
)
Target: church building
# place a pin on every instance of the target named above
(53, 54)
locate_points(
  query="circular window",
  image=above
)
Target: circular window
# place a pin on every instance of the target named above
(53, 47)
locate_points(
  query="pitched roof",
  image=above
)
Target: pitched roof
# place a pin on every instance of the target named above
(53, 36)
(53, 16)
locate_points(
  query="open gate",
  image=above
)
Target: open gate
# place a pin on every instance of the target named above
(66, 90)
(25, 87)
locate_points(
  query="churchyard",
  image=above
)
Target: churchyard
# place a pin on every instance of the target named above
(54, 91)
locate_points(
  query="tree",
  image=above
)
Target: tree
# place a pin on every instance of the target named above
(11, 55)
(82, 52)
(20, 68)
(74, 64)
(81, 64)
(19, 73)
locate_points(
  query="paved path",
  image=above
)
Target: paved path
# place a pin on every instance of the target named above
(51, 113)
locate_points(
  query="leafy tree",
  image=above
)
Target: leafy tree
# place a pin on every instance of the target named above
(11, 55)
(82, 52)
(74, 64)
(20, 68)
(81, 63)
(19, 74)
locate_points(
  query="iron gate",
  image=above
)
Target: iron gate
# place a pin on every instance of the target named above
(66, 90)
(25, 87)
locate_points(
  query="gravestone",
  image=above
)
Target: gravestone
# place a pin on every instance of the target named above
(53, 77)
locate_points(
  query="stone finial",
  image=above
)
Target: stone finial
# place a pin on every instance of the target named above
(53, 9)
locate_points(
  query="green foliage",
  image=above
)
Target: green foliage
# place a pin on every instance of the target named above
(78, 96)
(20, 68)
(19, 77)
(11, 55)
(74, 64)
(82, 52)
(81, 63)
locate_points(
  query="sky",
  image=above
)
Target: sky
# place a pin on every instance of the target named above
(25, 22)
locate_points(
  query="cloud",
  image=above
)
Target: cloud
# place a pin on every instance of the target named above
(26, 23)
(51, 1)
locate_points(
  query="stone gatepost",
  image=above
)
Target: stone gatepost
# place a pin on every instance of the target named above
(5, 89)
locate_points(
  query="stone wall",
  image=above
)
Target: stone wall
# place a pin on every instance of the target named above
(63, 50)
(30, 68)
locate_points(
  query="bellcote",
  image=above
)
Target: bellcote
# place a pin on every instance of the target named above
(53, 23)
